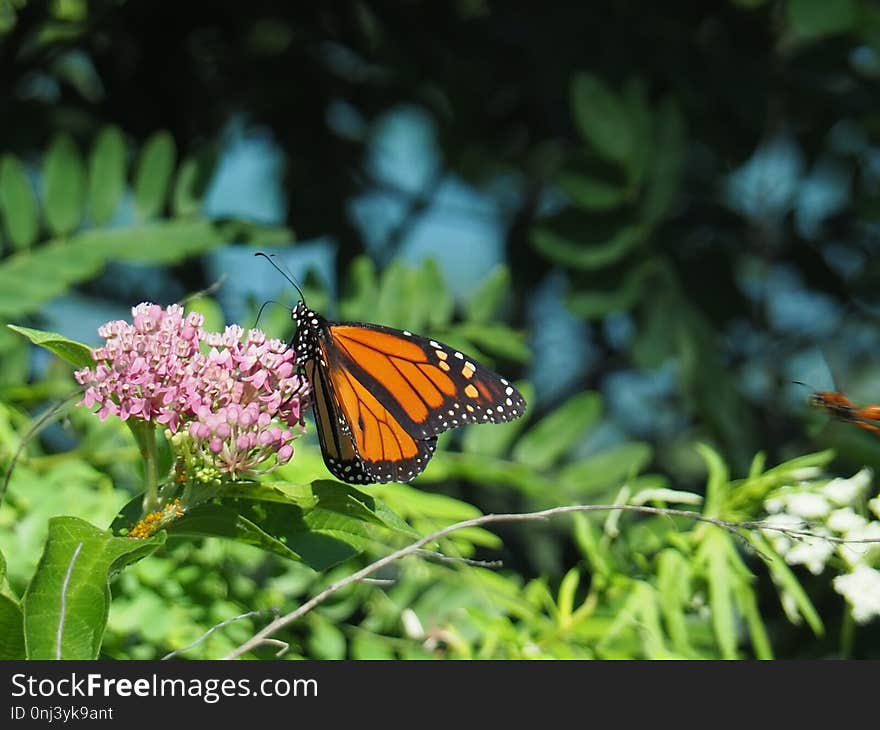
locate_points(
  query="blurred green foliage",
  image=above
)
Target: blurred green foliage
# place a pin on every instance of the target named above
(620, 127)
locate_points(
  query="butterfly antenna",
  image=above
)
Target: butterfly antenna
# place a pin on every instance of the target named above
(263, 306)
(283, 273)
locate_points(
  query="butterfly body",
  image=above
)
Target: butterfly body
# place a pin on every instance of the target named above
(843, 409)
(382, 395)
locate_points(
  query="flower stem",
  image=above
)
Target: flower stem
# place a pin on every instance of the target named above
(847, 633)
(150, 452)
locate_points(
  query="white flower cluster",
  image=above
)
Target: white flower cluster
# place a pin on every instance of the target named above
(827, 510)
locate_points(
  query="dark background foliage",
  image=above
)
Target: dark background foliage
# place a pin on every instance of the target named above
(685, 193)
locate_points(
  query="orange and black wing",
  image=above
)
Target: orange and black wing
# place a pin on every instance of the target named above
(337, 446)
(426, 386)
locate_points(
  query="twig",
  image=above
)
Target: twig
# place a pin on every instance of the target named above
(730, 526)
(260, 612)
(44, 420)
(441, 558)
(204, 292)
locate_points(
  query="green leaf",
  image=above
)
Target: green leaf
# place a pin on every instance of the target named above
(590, 193)
(601, 118)
(497, 339)
(11, 631)
(559, 431)
(606, 469)
(361, 290)
(813, 19)
(152, 177)
(107, 172)
(674, 594)
(486, 301)
(435, 303)
(18, 203)
(663, 184)
(218, 520)
(747, 602)
(621, 296)
(718, 484)
(586, 244)
(2, 568)
(367, 646)
(192, 182)
(786, 581)
(28, 280)
(66, 603)
(567, 589)
(63, 185)
(321, 524)
(75, 353)
(325, 641)
(713, 554)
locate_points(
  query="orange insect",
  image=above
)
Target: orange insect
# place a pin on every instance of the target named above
(382, 395)
(843, 409)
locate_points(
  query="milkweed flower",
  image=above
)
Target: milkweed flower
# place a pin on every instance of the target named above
(238, 400)
(861, 589)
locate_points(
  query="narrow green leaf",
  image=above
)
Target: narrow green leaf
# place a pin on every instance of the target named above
(621, 296)
(497, 339)
(674, 594)
(601, 118)
(747, 602)
(559, 431)
(192, 182)
(325, 641)
(607, 469)
(435, 302)
(486, 301)
(66, 603)
(11, 630)
(813, 19)
(787, 581)
(367, 646)
(75, 353)
(394, 304)
(592, 247)
(718, 485)
(18, 203)
(567, 589)
(2, 568)
(107, 172)
(362, 288)
(591, 193)
(663, 182)
(595, 552)
(63, 185)
(713, 554)
(152, 179)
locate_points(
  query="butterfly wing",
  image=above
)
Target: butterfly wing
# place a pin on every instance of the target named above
(426, 385)
(381, 396)
(337, 446)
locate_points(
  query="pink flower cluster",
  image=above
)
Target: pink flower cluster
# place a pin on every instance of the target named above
(238, 401)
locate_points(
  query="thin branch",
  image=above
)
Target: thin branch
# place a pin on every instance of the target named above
(204, 292)
(44, 420)
(222, 624)
(733, 527)
(441, 558)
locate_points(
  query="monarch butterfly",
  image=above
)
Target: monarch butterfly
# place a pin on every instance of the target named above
(382, 395)
(843, 409)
